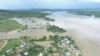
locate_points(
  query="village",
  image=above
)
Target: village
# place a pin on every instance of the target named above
(39, 38)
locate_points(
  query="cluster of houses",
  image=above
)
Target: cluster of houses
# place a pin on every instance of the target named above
(21, 47)
(65, 43)
(18, 48)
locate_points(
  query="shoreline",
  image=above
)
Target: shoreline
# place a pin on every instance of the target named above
(84, 31)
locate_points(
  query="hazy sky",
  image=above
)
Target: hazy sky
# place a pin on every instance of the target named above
(49, 4)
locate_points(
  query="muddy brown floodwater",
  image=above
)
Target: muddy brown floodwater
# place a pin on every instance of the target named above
(83, 29)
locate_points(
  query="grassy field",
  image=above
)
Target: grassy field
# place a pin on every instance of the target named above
(11, 45)
(9, 25)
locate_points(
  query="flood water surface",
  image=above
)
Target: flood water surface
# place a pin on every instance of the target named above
(85, 31)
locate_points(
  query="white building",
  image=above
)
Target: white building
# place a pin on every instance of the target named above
(68, 54)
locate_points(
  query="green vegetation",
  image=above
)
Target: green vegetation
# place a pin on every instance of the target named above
(35, 50)
(49, 19)
(27, 44)
(4, 14)
(68, 43)
(55, 29)
(9, 25)
(86, 12)
(12, 44)
(44, 38)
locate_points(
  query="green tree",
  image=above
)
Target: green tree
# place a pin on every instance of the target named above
(44, 38)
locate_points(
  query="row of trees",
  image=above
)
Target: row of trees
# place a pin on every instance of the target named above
(55, 29)
(49, 19)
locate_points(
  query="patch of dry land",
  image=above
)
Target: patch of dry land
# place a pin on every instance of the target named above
(83, 29)
(2, 43)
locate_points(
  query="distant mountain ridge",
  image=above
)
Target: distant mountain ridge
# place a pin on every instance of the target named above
(28, 10)
(1, 10)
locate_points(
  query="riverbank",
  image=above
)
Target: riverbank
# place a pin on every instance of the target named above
(83, 29)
